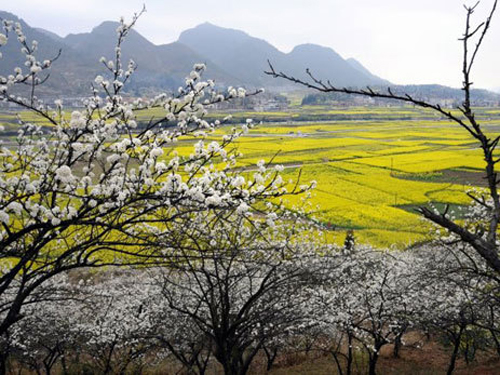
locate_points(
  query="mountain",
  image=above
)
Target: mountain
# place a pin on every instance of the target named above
(160, 67)
(326, 64)
(62, 79)
(246, 57)
(234, 51)
(233, 58)
(360, 67)
(431, 93)
(50, 34)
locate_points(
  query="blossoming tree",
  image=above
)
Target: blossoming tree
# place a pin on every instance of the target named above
(246, 286)
(95, 188)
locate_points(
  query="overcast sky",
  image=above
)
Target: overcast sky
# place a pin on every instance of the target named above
(404, 41)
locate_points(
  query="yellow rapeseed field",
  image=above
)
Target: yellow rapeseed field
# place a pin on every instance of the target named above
(372, 175)
(373, 166)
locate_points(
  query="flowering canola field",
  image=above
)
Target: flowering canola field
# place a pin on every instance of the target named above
(372, 170)
(371, 175)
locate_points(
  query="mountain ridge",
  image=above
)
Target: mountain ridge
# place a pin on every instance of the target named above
(227, 47)
(233, 57)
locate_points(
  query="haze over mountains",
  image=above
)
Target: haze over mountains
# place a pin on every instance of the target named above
(232, 56)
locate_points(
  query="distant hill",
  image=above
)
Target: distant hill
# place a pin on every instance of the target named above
(233, 58)
(442, 95)
(160, 67)
(69, 74)
(50, 34)
(326, 64)
(246, 57)
(234, 51)
(358, 66)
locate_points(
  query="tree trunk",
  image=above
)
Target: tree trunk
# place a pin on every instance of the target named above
(231, 364)
(337, 361)
(3, 362)
(63, 364)
(454, 355)
(397, 345)
(108, 359)
(202, 364)
(467, 353)
(50, 360)
(497, 342)
(373, 363)
(270, 357)
(349, 354)
(232, 368)
(372, 370)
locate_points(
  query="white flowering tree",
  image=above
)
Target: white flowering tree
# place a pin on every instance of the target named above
(245, 286)
(45, 336)
(94, 188)
(363, 303)
(174, 332)
(369, 299)
(99, 323)
(111, 328)
(456, 295)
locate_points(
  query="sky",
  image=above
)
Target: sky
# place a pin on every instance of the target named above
(403, 41)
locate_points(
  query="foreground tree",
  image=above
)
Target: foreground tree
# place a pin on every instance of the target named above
(45, 336)
(99, 323)
(455, 298)
(88, 189)
(364, 302)
(245, 288)
(484, 239)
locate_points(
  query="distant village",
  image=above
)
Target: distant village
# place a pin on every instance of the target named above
(273, 102)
